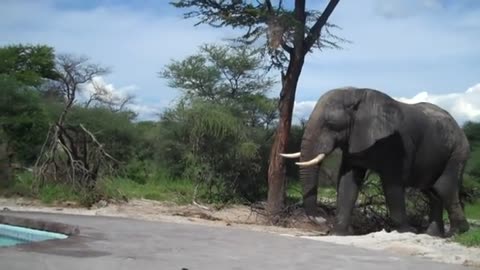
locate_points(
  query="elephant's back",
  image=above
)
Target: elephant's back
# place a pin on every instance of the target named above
(442, 124)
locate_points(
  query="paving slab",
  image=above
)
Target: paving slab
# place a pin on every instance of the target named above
(120, 243)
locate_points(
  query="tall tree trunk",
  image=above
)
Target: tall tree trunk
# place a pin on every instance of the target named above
(276, 171)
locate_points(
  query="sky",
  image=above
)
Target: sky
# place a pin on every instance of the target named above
(413, 50)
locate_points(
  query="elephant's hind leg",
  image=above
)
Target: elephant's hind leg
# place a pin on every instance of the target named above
(447, 187)
(435, 217)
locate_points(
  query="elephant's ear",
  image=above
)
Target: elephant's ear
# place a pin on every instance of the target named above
(377, 116)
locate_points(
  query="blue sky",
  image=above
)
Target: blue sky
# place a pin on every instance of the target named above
(414, 50)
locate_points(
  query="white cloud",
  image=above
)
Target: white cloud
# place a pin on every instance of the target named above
(146, 112)
(112, 93)
(464, 106)
(302, 110)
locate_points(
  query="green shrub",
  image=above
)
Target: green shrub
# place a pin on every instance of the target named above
(208, 144)
(137, 171)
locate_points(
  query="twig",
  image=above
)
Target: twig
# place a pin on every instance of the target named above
(99, 144)
(195, 196)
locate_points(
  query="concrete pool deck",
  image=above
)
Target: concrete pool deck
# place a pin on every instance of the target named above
(120, 243)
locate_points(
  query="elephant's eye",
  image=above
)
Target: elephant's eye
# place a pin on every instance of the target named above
(336, 119)
(335, 125)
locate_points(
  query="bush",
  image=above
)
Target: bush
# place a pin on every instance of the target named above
(23, 121)
(114, 130)
(210, 145)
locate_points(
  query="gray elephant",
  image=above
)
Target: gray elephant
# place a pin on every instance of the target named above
(408, 145)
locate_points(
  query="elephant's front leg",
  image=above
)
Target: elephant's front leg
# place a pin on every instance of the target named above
(395, 199)
(349, 182)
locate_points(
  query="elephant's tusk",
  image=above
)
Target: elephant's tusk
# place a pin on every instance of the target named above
(292, 155)
(314, 161)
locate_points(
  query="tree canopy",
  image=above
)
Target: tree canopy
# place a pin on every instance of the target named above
(28, 64)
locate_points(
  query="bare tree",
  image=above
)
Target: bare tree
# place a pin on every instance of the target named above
(74, 71)
(72, 154)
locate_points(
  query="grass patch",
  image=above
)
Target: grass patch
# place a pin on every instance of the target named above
(470, 238)
(472, 211)
(158, 186)
(21, 186)
(294, 191)
(48, 193)
(51, 193)
(155, 186)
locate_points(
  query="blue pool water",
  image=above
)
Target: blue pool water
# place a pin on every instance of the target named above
(6, 241)
(13, 235)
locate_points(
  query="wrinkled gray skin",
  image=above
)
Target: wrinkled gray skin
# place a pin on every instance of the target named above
(417, 145)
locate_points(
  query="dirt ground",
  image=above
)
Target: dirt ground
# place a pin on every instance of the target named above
(441, 250)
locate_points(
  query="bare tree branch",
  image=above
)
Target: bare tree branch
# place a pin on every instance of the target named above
(314, 33)
(104, 97)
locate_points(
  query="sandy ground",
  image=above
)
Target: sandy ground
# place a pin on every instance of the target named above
(440, 250)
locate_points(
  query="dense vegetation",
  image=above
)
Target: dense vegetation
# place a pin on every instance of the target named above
(216, 137)
(213, 143)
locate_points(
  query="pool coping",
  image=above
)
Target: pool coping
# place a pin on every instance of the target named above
(39, 224)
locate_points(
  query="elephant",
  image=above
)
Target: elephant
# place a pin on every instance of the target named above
(408, 145)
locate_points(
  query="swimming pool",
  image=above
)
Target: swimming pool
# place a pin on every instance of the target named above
(13, 235)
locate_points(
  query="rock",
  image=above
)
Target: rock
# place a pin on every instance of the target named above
(101, 204)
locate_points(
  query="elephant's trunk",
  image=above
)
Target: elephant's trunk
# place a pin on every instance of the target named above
(309, 165)
(316, 145)
(309, 180)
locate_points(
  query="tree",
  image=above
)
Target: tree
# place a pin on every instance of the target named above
(216, 133)
(230, 76)
(218, 73)
(472, 131)
(23, 120)
(28, 64)
(290, 35)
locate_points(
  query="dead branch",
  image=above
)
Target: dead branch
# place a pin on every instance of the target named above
(104, 97)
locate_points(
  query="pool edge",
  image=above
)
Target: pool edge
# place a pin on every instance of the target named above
(39, 224)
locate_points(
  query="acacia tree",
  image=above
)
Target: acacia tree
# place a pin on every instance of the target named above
(23, 68)
(28, 64)
(215, 134)
(288, 36)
